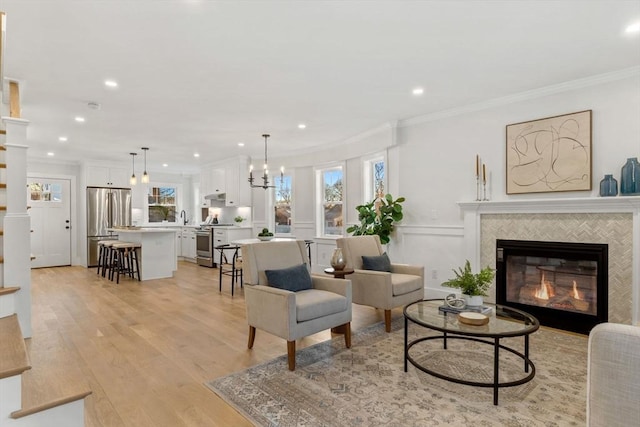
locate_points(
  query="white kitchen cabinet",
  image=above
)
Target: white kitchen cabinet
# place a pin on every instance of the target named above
(103, 176)
(218, 184)
(212, 181)
(226, 235)
(237, 188)
(188, 243)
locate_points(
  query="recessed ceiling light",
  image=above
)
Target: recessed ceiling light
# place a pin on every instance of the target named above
(418, 91)
(633, 28)
(63, 139)
(164, 165)
(50, 154)
(240, 144)
(79, 119)
(111, 83)
(196, 155)
(302, 126)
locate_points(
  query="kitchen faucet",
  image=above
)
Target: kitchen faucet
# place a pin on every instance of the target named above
(183, 215)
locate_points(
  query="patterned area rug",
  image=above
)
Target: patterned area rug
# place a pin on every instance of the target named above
(367, 386)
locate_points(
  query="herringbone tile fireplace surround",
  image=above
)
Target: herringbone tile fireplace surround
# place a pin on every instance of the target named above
(615, 222)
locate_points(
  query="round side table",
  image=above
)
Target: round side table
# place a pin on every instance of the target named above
(338, 274)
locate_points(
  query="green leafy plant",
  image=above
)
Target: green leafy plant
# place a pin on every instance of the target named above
(378, 217)
(238, 219)
(265, 233)
(165, 211)
(469, 283)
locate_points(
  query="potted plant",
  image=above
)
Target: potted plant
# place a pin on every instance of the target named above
(238, 219)
(165, 211)
(473, 286)
(378, 217)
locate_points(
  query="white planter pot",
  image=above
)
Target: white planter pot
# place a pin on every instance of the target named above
(473, 300)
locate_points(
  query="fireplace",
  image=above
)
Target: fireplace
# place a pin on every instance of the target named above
(565, 285)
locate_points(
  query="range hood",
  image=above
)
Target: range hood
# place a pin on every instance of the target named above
(216, 200)
(216, 196)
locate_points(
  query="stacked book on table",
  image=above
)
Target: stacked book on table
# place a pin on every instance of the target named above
(483, 309)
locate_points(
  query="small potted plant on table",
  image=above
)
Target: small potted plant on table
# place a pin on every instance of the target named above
(473, 286)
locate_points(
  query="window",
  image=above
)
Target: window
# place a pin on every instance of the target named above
(374, 172)
(45, 192)
(282, 205)
(332, 199)
(162, 204)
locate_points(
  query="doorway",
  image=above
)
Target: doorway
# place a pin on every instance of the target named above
(50, 210)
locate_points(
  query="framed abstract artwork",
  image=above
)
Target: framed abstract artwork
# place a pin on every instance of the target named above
(550, 154)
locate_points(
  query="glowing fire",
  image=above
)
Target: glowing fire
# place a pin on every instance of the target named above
(575, 293)
(545, 291)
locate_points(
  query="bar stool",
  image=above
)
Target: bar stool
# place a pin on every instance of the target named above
(125, 260)
(233, 268)
(104, 254)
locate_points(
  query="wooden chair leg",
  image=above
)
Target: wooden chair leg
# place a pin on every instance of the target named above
(252, 336)
(291, 355)
(347, 335)
(387, 320)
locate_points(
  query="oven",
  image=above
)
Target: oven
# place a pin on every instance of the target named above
(204, 247)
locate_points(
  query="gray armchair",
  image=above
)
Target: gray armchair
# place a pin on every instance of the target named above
(287, 314)
(379, 289)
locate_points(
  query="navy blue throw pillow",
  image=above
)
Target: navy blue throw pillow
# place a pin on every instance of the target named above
(377, 263)
(296, 278)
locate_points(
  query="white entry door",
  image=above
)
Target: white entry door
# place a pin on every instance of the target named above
(50, 201)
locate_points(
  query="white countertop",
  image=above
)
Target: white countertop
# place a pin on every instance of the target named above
(144, 230)
(256, 240)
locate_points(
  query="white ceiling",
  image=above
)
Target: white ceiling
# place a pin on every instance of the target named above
(201, 76)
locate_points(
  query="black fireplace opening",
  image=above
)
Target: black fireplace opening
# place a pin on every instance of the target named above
(563, 284)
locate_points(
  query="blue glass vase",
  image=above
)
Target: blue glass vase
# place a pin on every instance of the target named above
(630, 177)
(608, 186)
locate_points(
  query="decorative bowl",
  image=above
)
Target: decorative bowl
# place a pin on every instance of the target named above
(265, 238)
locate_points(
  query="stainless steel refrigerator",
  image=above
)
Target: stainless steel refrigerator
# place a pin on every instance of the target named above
(106, 208)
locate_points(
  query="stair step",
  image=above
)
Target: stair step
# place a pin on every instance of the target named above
(3, 185)
(3, 165)
(9, 290)
(1, 260)
(51, 404)
(3, 208)
(13, 352)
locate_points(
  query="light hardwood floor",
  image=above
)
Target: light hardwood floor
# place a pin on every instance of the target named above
(146, 348)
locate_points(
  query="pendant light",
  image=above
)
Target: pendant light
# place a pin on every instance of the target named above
(265, 171)
(145, 175)
(133, 179)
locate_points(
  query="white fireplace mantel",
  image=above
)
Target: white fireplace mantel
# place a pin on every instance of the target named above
(566, 205)
(473, 211)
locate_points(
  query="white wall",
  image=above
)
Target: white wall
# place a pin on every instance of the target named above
(436, 162)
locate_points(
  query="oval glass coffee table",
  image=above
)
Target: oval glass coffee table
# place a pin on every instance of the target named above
(504, 322)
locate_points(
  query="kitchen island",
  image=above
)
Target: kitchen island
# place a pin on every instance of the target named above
(158, 257)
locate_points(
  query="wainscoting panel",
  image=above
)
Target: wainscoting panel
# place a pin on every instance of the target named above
(438, 249)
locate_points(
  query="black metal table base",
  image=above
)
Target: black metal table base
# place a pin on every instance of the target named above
(496, 384)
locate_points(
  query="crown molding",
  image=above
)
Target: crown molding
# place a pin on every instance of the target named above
(524, 96)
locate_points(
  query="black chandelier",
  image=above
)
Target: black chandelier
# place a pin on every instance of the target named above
(265, 170)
